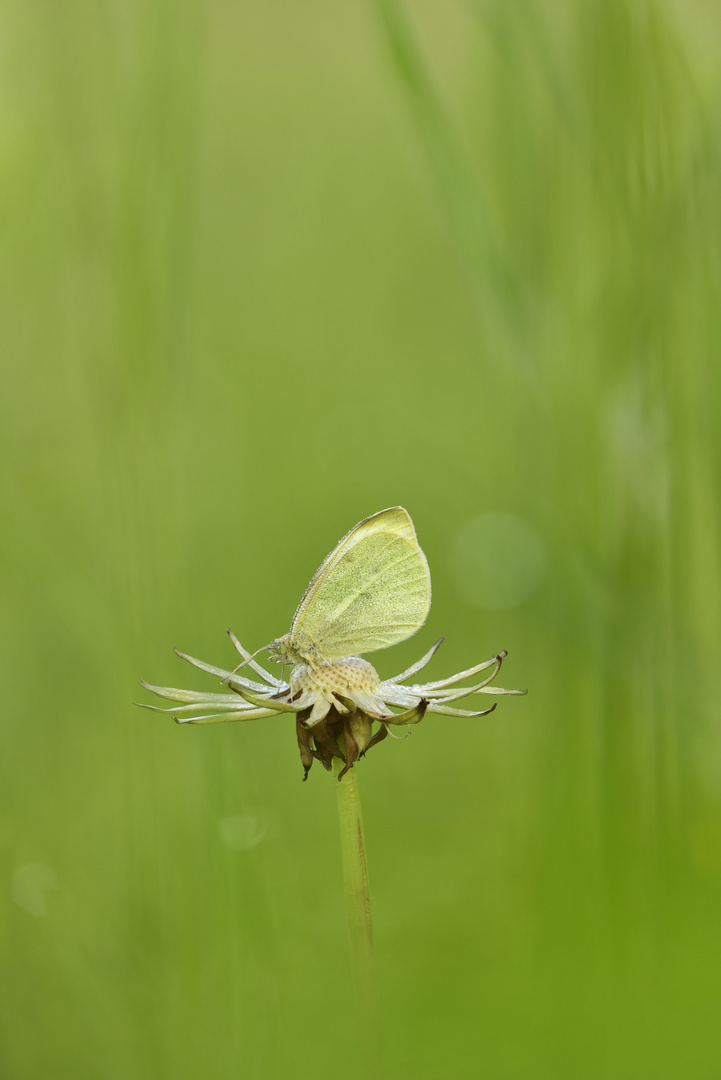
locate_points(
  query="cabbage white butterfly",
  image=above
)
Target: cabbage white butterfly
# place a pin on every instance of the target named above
(372, 591)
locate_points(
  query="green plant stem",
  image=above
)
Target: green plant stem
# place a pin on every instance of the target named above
(355, 880)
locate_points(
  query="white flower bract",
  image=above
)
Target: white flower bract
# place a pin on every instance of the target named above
(345, 685)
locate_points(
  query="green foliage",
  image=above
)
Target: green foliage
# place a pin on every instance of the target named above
(266, 269)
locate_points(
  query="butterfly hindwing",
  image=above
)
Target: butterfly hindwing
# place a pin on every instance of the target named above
(373, 590)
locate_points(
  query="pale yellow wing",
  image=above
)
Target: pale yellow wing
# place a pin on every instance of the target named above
(372, 591)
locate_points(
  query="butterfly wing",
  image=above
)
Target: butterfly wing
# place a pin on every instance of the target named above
(372, 591)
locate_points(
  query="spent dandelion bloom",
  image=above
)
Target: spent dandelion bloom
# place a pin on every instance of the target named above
(372, 591)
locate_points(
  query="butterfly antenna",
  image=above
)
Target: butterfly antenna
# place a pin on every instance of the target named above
(244, 663)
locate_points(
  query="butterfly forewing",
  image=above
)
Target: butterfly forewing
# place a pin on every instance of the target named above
(372, 591)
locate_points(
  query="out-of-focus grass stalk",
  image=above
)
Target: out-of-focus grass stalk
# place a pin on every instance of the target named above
(497, 290)
(463, 195)
(355, 881)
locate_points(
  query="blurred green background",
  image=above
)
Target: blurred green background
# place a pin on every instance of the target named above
(264, 270)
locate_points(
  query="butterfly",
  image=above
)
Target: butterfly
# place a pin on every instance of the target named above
(372, 591)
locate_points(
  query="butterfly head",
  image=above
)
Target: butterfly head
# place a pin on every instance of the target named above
(285, 650)
(282, 651)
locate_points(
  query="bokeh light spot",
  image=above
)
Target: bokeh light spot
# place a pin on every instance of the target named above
(498, 561)
(241, 832)
(30, 886)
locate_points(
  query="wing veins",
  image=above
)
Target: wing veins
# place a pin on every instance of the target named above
(346, 544)
(341, 610)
